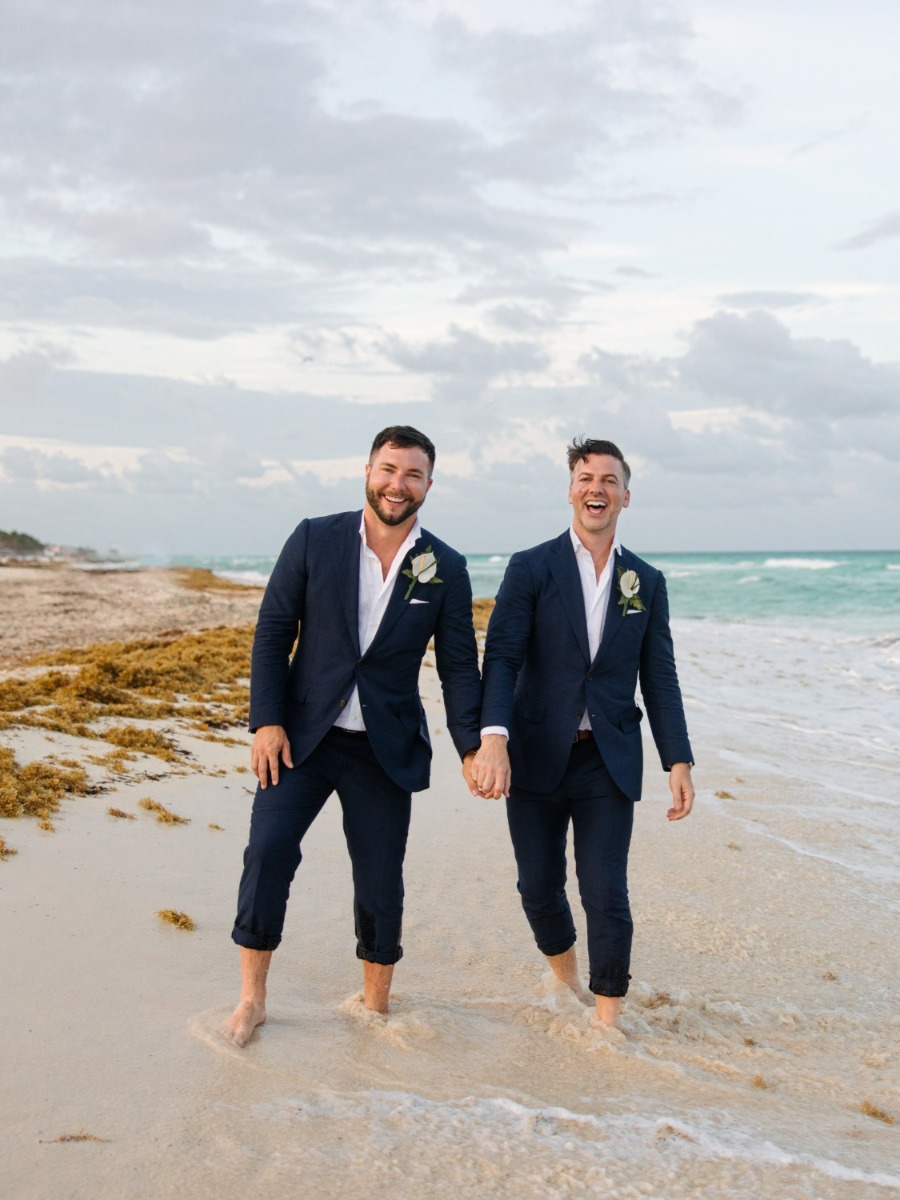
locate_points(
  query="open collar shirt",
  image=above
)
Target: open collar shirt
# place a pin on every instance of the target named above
(595, 593)
(374, 594)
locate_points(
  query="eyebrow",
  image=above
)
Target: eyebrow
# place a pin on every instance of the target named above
(389, 466)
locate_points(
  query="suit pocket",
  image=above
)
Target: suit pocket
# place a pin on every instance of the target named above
(630, 721)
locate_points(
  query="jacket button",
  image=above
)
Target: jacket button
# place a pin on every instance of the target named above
(590, 674)
(343, 702)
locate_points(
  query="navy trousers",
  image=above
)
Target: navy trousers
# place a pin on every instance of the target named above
(376, 824)
(602, 817)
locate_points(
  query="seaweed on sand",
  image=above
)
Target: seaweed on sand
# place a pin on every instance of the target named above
(36, 789)
(164, 815)
(179, 919)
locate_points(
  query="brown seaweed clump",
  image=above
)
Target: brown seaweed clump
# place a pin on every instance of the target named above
(870, 1110)
(179, 919)
(121, 814)
(81, 1136)
(6, 851)
(481, 614)
(36, 789)
(197, 681)
(164, 815)
(198, 677)
(200, 579)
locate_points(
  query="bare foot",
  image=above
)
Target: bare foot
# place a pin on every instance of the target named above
(240, 1025)
(377, 986)
(608, 1010)
(565, 967)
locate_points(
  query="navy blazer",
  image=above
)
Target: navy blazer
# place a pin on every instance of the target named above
(315, 585)
(538, 677)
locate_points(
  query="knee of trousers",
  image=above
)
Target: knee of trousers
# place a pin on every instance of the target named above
(268, 853)
(609, 899)
(540, 896)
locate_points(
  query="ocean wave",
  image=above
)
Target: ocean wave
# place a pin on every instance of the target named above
(546, 1151)
(801, 564)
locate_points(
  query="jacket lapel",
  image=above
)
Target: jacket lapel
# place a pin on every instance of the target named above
(397, 603)
(564, 570)
(614, 616)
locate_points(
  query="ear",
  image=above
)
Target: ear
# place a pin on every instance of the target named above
(627, 499)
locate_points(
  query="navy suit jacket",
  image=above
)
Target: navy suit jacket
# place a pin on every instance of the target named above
(315, 585)
(538, 677)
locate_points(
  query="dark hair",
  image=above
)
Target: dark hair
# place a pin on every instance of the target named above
(580, 448)
(403, 436)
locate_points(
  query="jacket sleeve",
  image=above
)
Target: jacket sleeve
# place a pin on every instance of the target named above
(659, 685)
(456, 658)
(276, 631)
(509, 632)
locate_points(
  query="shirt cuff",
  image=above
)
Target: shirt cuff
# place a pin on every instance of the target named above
(501, 729)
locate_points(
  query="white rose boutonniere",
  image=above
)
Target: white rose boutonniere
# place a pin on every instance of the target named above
(422, 569)
(629, 586)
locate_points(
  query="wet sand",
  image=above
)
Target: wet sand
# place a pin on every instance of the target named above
(761, 1021)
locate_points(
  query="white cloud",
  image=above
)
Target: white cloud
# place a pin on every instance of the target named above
(238, 238)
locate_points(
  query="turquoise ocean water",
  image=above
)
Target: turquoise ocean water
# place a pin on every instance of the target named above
(759, 586)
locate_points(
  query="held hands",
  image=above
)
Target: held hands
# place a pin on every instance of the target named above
(270, 748)
(489, 772)
(682, 789)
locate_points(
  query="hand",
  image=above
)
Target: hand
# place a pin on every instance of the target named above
(490, 768)
(270, 748)
(467, 772)
(682, 789)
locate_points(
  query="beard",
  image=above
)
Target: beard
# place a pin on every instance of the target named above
(389, 514)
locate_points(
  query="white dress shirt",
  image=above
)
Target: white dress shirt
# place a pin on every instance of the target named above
(374, 594)
(596, 596)
(595, 593)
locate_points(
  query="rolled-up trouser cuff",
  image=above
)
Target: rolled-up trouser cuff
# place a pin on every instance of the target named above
(608, 985)
(560, 946)
(255, 941)
(385, 959)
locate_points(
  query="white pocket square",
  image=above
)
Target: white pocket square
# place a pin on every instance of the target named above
(418, 601)
(632, 612)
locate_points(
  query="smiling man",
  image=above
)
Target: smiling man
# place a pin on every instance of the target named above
(368, 591)
(578, 622)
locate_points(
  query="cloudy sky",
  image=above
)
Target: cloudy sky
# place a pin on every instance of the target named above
(238, 237)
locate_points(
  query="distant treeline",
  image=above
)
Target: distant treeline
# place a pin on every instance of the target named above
(19, 543)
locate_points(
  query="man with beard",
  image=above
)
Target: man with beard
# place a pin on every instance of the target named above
(368, 592)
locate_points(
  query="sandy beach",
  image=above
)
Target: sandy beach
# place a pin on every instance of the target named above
(761, 1038)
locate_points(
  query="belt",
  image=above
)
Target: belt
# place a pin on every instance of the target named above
(582, 735)
(352, 733)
